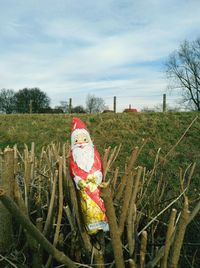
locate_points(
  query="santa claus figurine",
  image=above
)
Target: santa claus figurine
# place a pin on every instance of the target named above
(86, 170)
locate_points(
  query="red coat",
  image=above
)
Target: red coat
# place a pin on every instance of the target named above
(82, 174)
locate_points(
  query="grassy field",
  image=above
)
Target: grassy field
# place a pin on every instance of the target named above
(159, 130)
(174, 135)
(156, 130)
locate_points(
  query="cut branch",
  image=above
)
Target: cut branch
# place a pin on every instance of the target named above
(178, 241)
(114, 231)
(170, 232)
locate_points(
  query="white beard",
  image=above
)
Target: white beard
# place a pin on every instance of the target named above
(84, 157)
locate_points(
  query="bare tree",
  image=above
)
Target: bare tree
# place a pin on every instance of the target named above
(64, 106)
(94, 104)
(183, 70)
(79, 109)
(147, 109)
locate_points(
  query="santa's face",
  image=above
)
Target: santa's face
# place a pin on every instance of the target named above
(82, 150)
(81, 140)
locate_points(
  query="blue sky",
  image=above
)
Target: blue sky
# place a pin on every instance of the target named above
(71, 48)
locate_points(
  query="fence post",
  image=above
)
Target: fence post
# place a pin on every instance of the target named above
(114, 104)
(70, 105)
(7, 182)
(164, 103)
(31, 106)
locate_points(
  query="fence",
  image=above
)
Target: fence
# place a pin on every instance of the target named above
(115, 101)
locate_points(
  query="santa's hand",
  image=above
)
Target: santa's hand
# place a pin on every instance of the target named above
(98, 175)
(91, 178)
(82, 184)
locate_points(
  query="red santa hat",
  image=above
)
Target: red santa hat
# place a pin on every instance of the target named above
(78, 126)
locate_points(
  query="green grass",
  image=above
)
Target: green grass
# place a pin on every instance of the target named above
(161, 130)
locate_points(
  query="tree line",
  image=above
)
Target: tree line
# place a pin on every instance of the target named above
(23, 101)
(34, 100)
(182, 70)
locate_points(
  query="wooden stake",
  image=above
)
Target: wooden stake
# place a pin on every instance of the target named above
(143, 248)
(70, 105)
(114, 231)
(164, 103)
(170, 232)
(178, 241)
(114, 104)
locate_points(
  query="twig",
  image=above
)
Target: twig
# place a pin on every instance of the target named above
(131, 263)
(105, 157)
(7, 260)
(151, 173)
(114, 180)
(143, 248)
(174, 146)
(33, 231)
(161, 212)
(126, 201)
(50, 210)
(170, 232)
(194, 212)
(193, 259)
(191, 173)
(178, 240)
(114, 231)
(136, 185)
(132, 161)
(131, 228)
(69, 217)
(108, 161)
(161, 251)
(60, 209)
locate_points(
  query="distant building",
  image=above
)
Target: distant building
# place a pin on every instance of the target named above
(130, 110)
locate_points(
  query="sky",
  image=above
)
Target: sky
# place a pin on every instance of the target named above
(106, 48)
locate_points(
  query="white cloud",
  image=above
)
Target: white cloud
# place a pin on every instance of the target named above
(105, 47)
